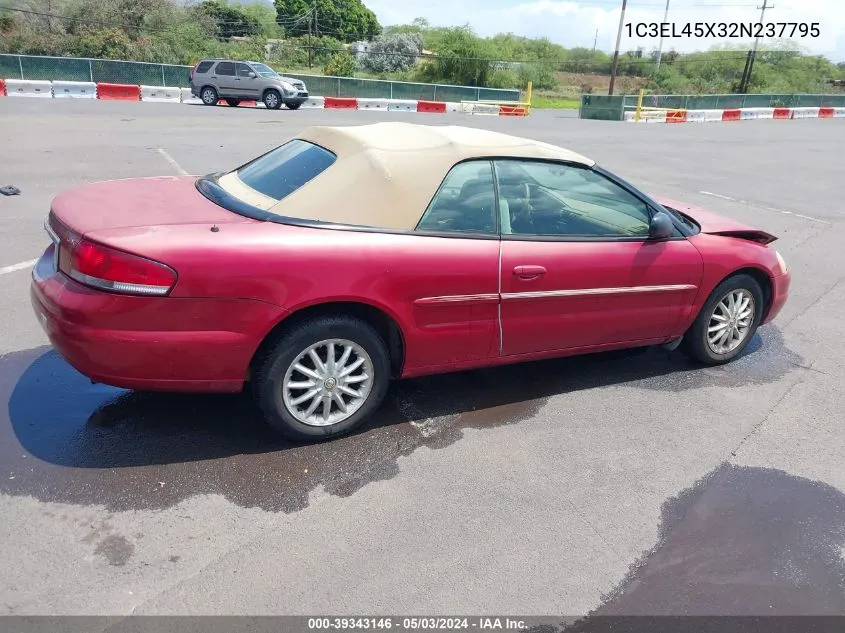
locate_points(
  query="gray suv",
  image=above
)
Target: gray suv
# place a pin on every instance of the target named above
(233, 81)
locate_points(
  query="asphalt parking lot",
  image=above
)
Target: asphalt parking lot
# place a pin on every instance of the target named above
(614, 484)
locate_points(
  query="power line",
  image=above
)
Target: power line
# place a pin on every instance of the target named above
(579, 65)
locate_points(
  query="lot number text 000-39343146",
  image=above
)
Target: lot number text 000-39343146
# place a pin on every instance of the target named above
(723, 29)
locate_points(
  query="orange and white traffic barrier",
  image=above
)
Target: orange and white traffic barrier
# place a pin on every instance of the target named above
(652, 115)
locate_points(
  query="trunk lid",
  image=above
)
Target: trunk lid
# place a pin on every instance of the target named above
(138, 202)
(715, 224)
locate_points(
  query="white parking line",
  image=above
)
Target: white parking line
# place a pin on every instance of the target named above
(173, 163)
(757, 206)
(716, 195)
(22, 266)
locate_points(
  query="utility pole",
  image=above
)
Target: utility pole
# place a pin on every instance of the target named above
(616, 50)
(310, 48)
(596, 40)
(747, 77)
(660, 46)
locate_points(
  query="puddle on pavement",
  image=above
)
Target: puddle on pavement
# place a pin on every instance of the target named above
(740, 542)
(63, 439)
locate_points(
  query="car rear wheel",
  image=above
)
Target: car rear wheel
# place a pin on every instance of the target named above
(209, 96)
(323, 378)
(233, 102)
(272, 100)
(727, 322)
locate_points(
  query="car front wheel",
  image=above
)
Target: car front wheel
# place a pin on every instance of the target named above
(272, 100)
(293, 106)
(727, 322)
(209, 96)
(323, 378)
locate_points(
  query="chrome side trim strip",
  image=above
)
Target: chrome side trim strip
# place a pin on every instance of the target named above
(584, 292)
(451, 299)
(549, 294)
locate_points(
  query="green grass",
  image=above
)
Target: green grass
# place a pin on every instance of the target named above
(554, 103)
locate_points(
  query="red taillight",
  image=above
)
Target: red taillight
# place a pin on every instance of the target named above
(109, 269)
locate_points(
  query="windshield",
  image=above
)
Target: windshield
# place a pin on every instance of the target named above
(264, 70)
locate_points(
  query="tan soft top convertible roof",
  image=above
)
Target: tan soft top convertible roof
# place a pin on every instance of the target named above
(387, 173)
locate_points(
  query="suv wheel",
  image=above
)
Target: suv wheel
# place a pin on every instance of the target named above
(209, 96)
(272, 100)
(293, 106)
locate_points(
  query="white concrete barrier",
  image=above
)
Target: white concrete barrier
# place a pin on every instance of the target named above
(74, 90)
(485, 109)
(315, 102)
(372, 104)
(838, 112)
(161, 94)
(402, 105)
(711, 116)
(452, 106)
(805, 113)
(748, 114)
(764, 113)
(186, 97)
(695, 116)
(29, 88)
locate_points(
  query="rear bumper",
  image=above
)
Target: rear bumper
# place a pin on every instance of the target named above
(780, 293)
(149, 343)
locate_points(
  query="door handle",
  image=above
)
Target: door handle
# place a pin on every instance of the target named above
(529, 272)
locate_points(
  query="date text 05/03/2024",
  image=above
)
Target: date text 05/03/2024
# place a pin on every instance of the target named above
(723, 29)
(415, 623)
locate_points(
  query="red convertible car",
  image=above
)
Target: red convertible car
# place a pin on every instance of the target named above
(350, 256)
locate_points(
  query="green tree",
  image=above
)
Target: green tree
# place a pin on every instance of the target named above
(346, 20)
(461, 58)
(392, 53)
(103, 43)
(230, 21)
(340, 65)
(7, 22)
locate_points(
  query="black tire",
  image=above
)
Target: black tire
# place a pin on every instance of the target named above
(293, 106)
(209, 96)
(272, 100)
(695, 343)
(272, 368)
(234, 103)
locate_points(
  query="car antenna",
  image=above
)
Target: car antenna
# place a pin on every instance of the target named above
(214, 228)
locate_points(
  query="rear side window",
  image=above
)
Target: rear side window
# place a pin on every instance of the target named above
(204, 66)
(226, 68)
(286, 168)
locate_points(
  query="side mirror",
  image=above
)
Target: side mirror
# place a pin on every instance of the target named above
(661, 226)
(252, 75)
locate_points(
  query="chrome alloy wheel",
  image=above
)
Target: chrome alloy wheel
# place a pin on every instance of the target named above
(208, 96)
(271, 100)
(730, 321)
(328, 382)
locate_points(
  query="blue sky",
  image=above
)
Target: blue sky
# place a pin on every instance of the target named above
(574, 22)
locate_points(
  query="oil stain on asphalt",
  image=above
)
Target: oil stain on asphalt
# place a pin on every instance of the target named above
(66, 440)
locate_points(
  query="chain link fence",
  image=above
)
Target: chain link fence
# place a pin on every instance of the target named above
(611, 108)
(728, 101)
(143, 73)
